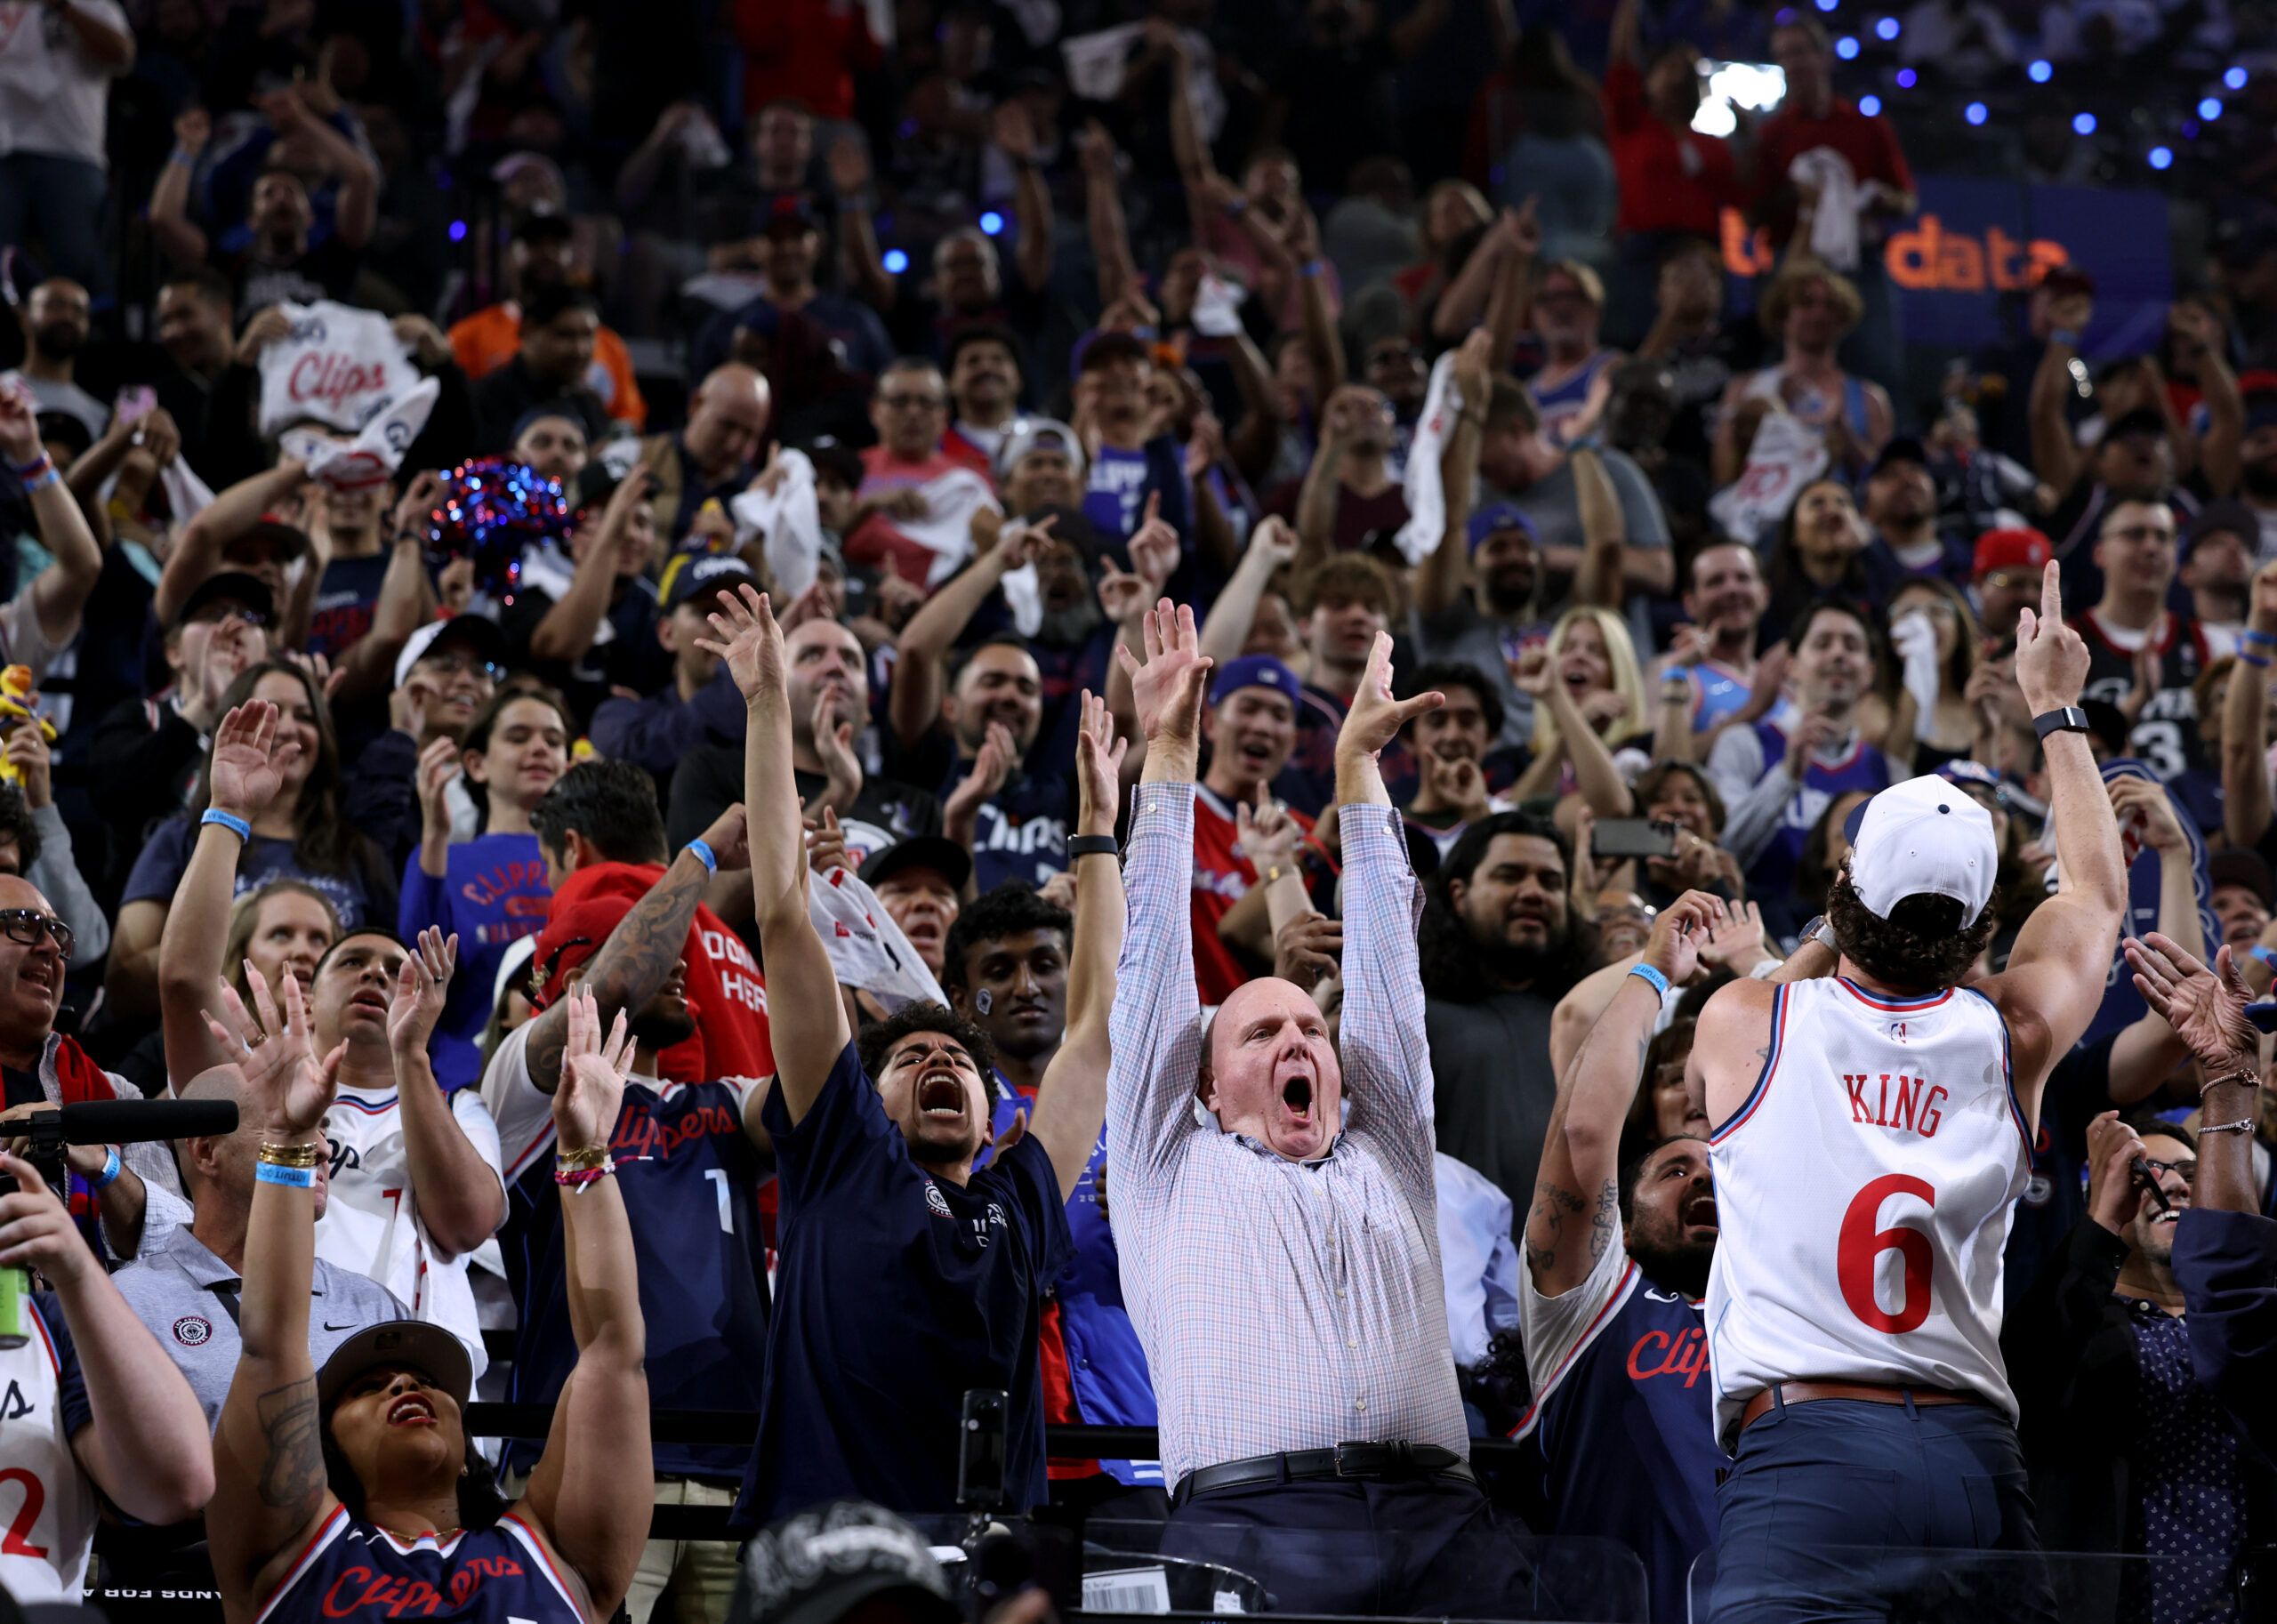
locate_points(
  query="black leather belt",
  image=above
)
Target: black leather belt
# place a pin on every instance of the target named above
(1393, 1462)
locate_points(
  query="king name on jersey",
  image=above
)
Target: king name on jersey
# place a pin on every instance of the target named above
(1892, 1100)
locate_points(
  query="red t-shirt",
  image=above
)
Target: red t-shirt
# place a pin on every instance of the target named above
(1671, 180)
(726, 992)
(1870, 144)
(1222, 877)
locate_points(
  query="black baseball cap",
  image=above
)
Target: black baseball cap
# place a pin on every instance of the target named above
(937, 852)
(430, 1349)
(1901, 448)
(229, 586)
(700, 577)
(820, 1565)
(2225, 514)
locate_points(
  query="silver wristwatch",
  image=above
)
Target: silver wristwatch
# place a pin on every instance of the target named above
(1820, 931)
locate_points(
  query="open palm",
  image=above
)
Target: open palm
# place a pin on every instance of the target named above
(1167, 690)
(592, 1076)
(2205, 1005)
(282, 1079)
(749, 641)
(248, 766)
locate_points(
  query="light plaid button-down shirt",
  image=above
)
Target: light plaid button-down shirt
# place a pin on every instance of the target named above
(1283, 1305)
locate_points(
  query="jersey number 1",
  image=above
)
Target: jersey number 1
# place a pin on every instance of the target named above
(1861, 1245)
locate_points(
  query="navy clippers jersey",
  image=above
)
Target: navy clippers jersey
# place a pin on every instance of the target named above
(689, 1177)
(351, 1570)
(1623, 1419)
(2165, 737)
(1773, 872)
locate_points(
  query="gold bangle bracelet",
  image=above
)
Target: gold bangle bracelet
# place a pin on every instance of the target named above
(578, 1161)
(291, 1155)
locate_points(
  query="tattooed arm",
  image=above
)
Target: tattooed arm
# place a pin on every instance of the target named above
(270, 1492)
(639, 954)
(1580, 1172)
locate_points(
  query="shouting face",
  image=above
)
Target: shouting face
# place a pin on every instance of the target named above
(1272, 1070)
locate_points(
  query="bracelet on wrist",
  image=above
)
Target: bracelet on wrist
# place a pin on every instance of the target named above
(112, 1168)
(2234, 1072)
(578, 1161)
(1312, 267)
(291, 1155)
(292, 1177)
(1651, 977)
(1092, 845)
(2244, 1124)
(703, 855)
(2259, 662)
(583, 1178)
(230, 821)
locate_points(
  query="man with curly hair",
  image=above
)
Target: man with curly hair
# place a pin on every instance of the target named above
(1873, 1130)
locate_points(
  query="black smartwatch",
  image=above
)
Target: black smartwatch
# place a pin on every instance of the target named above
(1092, 845)
(2063, 718)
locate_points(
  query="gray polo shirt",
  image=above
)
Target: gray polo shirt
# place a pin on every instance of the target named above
(172, 1291)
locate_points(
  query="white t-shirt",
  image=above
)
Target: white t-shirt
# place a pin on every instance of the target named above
(51, 97)
(372, 1223)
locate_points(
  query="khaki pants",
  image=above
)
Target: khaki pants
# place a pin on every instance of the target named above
(694, 1579)
(685, 1581)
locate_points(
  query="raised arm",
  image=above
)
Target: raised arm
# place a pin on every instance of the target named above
(459, 1195)
(170, 223)
(921, 655)
(62, 589)
(1103, 215)
(1072, 1103)
(1156, 1023)
(807, 1025)
(2245, 757)
(1580, 1156)
(2148, 1050)
(1387, 1061)
(1272, 545)
(246, 771)
(1013, 132)
(1604, 534)
(594, 1511)
(1445, 574)
(197, 549)
(2056, 457)
(2205, 1004)
(270, 1492)
(2057, 972)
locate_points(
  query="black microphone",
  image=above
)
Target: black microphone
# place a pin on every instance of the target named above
(127, 1121)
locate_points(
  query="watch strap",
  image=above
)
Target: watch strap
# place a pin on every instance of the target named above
(2063, 718)
(1092, 845)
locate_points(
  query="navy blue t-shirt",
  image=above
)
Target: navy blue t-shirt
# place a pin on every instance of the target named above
(346, 600)
(896, 1293)
(689, 1177)
(2055, 1196)
(1020, 832)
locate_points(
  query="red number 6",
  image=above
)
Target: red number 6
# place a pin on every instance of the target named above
(1860, 1244)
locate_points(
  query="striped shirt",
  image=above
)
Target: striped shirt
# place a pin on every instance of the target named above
(1283, 1305)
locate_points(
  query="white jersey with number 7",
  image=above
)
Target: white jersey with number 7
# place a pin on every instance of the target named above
(1862, 1195)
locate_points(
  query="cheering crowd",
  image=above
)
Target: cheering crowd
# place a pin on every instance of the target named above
(966, 701)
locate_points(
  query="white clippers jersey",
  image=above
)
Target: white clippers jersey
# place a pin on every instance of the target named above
(372, 1224)
(48, 1501)
(1864, 1193)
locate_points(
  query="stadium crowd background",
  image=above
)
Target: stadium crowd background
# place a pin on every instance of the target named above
(1661, 434)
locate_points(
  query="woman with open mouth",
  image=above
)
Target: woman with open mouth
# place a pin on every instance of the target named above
(354, 1491)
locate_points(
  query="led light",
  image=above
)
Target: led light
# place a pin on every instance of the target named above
(1886, 27)
(992, 222)
(458, 231)
(1846, 48)
(2162, 157)
(1870, 105)
(2083, 123)
(896, 261)
(1907, 78)
(1974, 112)
(2040, 71)
(2234, 78)
(2210, 109)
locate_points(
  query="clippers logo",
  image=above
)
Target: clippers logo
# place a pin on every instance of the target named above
(936, 1202)
(193, 1330)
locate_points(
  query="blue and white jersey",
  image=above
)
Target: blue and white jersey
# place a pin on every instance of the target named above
(48, 1500)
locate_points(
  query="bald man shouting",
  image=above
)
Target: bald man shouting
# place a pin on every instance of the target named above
(1281, 1260)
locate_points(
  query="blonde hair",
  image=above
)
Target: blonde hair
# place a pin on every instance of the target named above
(1627, 678)
(1799, 271)
(245, 919)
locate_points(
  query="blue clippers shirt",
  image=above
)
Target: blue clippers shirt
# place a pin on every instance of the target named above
(897, 1293)
(1020, 832)
(690, 1178)
(493, 892)
(1106, 1367)
(1623, 1419)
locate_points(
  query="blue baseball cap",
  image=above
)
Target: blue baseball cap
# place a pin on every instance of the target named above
(1257, 670)
(1500, 515)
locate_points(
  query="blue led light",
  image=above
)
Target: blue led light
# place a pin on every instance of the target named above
(896, 261)
(1974, 112)
(1907, 78)
(458, 231)
(1846, 48)
(2210, 109)
(2162, 157)
(1828, 5)
(2234, 78)
(992, 222)
(2040, 72)
(2083, 123)
(1886, 27)
(1870, 105)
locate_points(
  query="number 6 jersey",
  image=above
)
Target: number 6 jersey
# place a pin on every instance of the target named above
(1863, 1191)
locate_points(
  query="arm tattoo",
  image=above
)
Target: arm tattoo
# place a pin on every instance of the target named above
(292, 1475)
(1607, 1220)
(1551, 1205)
(630, 967)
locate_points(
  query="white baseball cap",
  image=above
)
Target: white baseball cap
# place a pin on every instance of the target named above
(1920, 838)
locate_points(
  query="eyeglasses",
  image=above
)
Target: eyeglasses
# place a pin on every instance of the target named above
(2188, 1171)
(31, 926)
(464, 665)
(903, 402)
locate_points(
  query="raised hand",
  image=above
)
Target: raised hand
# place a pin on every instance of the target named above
(1376, 718)
(2147, 802)
(420, 989)
(825, 843)
(2114, 1193)
(1155, 549)
(1122, 596)
(1736, 941)
(1274, 542)
(2051, 658)
(2205, 1005)
(1267, 836)
(284, 1082)
(1680, 931)
(19, 424)
(438, 765)
(35, 1229)
(247, 769)
(991, 765)
(1532, 675)
(748, 642)
(1168, 689)
(1305, 949)
(592, 1090)
(1098, 768)
(1456, 782)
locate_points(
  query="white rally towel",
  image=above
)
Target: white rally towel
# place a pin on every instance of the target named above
(336, 364)
(1834, 223)
(789, 521)
(1786, 454)
(951, 499)
(1426, 498)
(373, 456)
(1098, 62)
(867, 949)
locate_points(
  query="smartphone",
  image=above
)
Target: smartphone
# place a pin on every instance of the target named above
(136, 402)
(1633, 837)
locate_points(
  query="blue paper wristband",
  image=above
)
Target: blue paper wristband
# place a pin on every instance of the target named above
(1651, 977)
(228, 820)
(299, 1178)
(112, 1168)
(705, 853)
